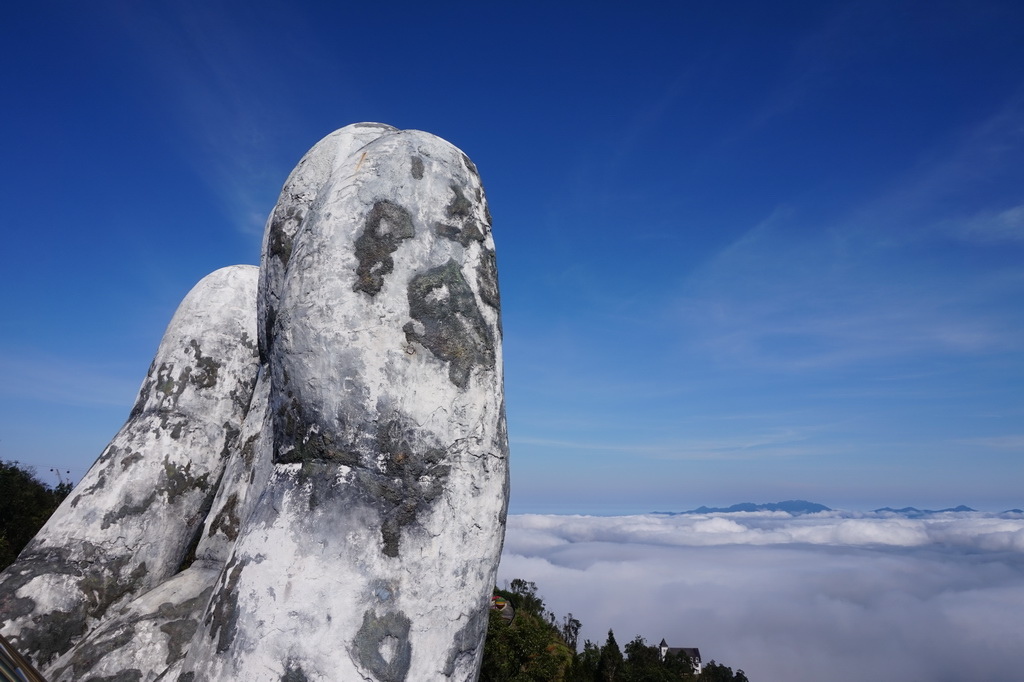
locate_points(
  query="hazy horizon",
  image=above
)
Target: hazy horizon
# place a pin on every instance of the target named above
(790, 598)
(747, 251)
(555, 507)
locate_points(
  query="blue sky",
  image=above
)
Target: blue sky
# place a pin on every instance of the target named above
(747, 251)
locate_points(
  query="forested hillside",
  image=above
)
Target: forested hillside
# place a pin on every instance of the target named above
(25, 505)
(535, 646)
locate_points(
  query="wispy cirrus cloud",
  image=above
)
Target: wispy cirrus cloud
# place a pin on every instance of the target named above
(791, 441)
(215, 72)
(61, 381)
(784, 298)
(1008, 442)
(887, 278)
(989, 227)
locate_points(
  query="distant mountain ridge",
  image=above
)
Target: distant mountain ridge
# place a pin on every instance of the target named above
(798, 507)
(794, 507)
(914, 512)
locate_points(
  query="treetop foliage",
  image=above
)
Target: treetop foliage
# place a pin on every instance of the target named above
(25, 505)
(536, 647)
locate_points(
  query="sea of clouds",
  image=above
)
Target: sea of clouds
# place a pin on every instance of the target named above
(833, 596)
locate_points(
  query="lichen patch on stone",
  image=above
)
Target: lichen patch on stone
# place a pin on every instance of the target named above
(461, 226)
(226, 521)
(487, 279)
(382, 645)
(452, 327)
(222, 614)
(387, 225)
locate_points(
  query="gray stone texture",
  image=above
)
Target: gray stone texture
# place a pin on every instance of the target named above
(313, 482)
(128, 525)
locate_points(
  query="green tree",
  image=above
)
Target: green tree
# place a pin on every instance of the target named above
(609, 667)
(533, 647)
(530, 647)
(716, 672)
(25, 505)
(644, 664)
(680, 665)
(524, 597)
(584, 664)
(571, 632)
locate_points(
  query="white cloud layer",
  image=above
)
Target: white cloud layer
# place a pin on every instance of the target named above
(834, 596)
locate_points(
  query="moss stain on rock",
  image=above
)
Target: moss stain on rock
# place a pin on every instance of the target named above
(104, 584)
(450, 324)
(226, 521)
(206, 370)
(467, 642)
(293, 673)
(387, 225)
(181, 623)
(408, 478)
(131, 675)
(86, 656)
(487, 279)
(222, 614)
(177, 481)
(462, 226)
(382, 645)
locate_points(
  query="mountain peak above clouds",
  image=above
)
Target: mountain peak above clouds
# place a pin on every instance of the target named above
(914, 512)
(794, 507)
(800, 507)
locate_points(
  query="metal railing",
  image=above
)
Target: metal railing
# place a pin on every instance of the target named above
(14, 667)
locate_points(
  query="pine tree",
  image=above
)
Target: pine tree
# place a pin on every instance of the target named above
(610, 665)
(25, 505)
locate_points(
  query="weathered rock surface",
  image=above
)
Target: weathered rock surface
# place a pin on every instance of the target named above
(298, 195)
(346, 484)
(372, 553)
(128, 524)
(148, 638)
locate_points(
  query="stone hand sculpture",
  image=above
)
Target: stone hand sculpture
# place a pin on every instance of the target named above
(314, 480)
